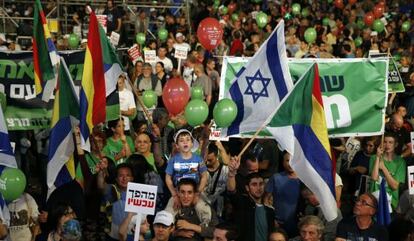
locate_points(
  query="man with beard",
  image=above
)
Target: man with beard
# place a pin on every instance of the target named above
(254, 220)
(216, 181)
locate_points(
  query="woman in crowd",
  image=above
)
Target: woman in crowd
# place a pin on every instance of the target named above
(386, 164)
(58, 216)
(118, 146)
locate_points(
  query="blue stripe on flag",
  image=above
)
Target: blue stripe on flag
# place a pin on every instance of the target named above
(50, 45)
(5, 146)
(63, 177)
(237, 97)
(315, 153)
(2, 169)
(275, 68)
(83, 125)
(107, 67)
(383, 211)
(59, 132)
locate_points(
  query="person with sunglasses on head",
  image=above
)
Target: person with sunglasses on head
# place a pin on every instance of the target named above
(362, 226)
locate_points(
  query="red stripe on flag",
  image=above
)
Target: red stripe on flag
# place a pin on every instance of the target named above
(36, 65)
(94, 45)
(316, 92)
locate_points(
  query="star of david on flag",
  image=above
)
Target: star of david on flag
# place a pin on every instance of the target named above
(260, 85)
(251, 90)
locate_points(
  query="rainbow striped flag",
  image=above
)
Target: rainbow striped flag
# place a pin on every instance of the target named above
(300, 128)
(99, 101)
(61, 165)
(45, 57)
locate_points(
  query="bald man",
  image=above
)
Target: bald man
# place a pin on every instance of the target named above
(395, 125)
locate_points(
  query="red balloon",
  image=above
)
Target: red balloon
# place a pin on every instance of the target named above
(231, 7)
(352, 1)
(369, 18)
(175, 95)
(209, 33)
(339, 4)
(378, 11)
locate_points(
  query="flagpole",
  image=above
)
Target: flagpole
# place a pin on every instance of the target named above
(251, 140)
(144, 108)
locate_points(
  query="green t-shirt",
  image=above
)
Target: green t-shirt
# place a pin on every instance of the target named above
(92, 161)
(261, 228)
(151, 160)
(397, 168)
(112, 148)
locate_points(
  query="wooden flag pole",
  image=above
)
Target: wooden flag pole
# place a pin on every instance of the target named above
(144, 108)
(251, 140)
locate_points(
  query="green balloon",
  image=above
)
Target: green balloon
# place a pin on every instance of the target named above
(13, 183)
(162, 34)
(140, 38)
(196, 112)
(224, 112)
(325, 21)
(296, 9)
(405, 27)
(261, 19)
(73, 41)
(360, 23)
(197, 93)
(310, 35)
(330, 1)
(216, 4)
(358, 41)
(235, 17)
(305, 12)
(149, 98)
(397, 57)
(224, 10)
(378, 26)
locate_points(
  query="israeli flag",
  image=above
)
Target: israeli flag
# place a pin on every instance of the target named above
(6, 152)
(260, 85)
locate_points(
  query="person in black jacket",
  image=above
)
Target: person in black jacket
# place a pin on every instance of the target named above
(254, 220)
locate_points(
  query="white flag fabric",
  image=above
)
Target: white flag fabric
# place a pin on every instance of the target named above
(260, 85)
(6, 152)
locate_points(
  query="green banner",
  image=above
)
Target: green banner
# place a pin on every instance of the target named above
(23, 111)
(354, 91)
(395, 82)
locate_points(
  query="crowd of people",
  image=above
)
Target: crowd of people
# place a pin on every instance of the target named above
(204, 190)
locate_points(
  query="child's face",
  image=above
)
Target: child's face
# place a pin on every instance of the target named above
(184, 143)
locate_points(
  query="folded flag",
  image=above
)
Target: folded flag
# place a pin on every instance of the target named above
(45, 57)
(300, 128)
(99, 101)
(61, 166)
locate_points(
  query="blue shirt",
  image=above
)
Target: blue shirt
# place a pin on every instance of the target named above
(178, 167)
(286, 192)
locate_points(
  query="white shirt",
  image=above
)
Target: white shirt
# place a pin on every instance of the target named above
(168, 65)
(126, 102)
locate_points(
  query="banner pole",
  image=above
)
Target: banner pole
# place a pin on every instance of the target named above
(251, 140)
(144, 108)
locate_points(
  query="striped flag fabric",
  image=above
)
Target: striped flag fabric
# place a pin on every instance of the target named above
(260, 85)
(99, 101)
(300, 128)
(7, 157)
(61, 165)
(383, 210)
(45, 57)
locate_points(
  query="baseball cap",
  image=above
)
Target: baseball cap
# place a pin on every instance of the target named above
(177, 35)
(71, 230)
(195, 142)
(164, 217)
